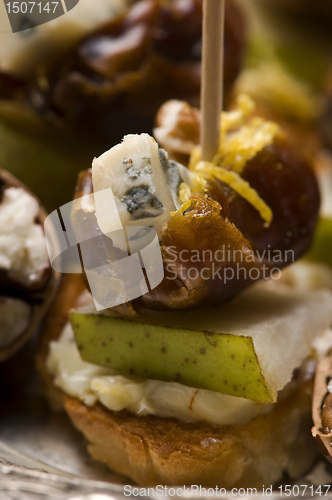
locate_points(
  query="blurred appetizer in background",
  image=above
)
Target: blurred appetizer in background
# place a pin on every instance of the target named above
(282, 96)
(44, 158)
(326, 119)
(115, 79)
(105, 70)
(285, 85)
(292, 89)
(22, 52)
(27, 283)
(285, 71)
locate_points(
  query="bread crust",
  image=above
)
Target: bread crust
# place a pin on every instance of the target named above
(154, 450)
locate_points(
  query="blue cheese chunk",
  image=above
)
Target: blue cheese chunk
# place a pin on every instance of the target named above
(135, 185)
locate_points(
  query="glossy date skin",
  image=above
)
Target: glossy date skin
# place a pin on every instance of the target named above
(115, 80)
(287, 183)
(221, 245)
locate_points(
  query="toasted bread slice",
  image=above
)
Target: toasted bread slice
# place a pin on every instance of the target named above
(153, 450)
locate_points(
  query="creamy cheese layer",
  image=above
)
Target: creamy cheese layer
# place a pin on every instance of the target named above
(22, 244)
(91, 383)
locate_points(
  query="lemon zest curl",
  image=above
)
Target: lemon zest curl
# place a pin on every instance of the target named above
(239, 144)
(184, 195)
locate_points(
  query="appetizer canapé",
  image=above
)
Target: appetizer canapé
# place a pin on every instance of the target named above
(218, 395)
(115, 79)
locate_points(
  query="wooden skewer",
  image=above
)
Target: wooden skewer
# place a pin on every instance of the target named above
(212, 76)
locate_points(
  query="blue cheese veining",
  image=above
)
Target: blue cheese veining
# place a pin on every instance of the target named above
(136, 185)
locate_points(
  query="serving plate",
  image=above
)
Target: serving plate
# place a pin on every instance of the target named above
(41, 454)
(43, 457)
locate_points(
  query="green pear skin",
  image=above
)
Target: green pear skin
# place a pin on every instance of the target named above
(215, 361)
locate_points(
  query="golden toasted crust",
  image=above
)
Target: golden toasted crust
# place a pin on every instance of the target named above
(153, 450)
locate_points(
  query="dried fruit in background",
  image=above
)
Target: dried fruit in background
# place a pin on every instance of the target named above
(115, 80)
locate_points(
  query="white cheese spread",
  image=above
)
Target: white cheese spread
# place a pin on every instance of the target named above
(91, 384)
(22, 244)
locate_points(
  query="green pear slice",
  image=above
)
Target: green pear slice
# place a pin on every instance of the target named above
(204, 360)
(247, 347)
